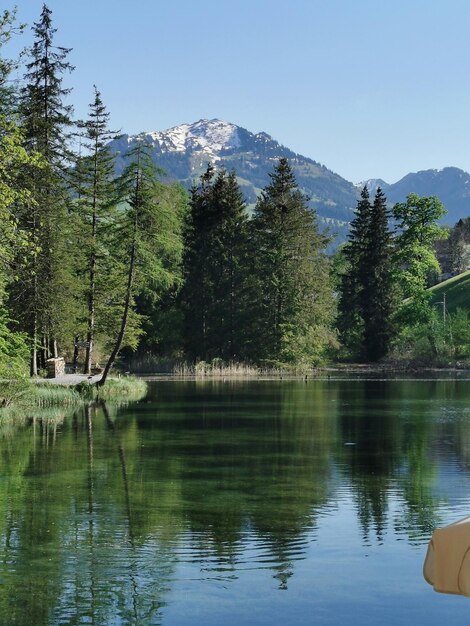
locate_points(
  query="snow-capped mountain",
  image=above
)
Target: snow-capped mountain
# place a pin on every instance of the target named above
(184, 151)
(209, 138)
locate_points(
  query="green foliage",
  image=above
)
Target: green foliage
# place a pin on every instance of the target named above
(367, 290)
(415, 257)
(45, 395)
(351, 298)
(13, 160)
(379, 295)
(115, 390)
(43, 296)
(215, 268)
(442, 341)
(148, 245)
(291, 292)
(458, 330)
(14, 352)
(96, 214)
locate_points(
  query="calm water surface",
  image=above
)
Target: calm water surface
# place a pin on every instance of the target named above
(211, 503)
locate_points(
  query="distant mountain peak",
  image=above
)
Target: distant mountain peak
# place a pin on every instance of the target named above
(208, 137)
(372, 185)
(184, 151)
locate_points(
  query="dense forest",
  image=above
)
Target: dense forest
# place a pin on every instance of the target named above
(95, 266)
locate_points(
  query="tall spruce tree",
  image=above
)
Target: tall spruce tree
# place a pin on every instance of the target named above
(379, 285)
(196, 299)
(214, 268)
(351, 298)
(291, 289)
(368, 295)
(44, 298)
(95, 185)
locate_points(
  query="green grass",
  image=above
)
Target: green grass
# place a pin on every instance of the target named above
(456, 290)
(26, 394)
(46, 395)
(118, 389)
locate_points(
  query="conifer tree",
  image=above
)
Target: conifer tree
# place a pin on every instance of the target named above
(230, 255)
(292, 295)
(379, 287)
(351, 297)
(197, 287)
(368, 294)
(13, 160)
(149, 248)
(97, 199)
(44, 298)
(214, 262)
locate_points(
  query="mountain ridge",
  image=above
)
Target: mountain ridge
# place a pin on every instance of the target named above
(184, 151)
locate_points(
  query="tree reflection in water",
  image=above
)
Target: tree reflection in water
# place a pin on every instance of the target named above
(106, 510)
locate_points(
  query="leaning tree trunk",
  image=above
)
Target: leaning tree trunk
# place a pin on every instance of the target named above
(127, 305)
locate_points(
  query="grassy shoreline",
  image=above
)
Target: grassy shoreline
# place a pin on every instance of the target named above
(29, 394)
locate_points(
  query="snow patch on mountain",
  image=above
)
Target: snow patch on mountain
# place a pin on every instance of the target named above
(209, 137)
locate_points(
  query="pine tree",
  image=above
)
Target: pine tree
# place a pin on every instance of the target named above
(44, 298)
(379, 288)
(368, 295)
(351, 298)
(197, 287)
(292, 295)
(215, 255)
(231, 267)
(97, 198)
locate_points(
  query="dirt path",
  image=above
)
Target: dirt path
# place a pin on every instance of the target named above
(70, 379)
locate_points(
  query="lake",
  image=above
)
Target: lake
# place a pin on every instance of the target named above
(235, 503)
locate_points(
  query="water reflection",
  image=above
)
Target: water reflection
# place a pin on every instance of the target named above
(105, 514)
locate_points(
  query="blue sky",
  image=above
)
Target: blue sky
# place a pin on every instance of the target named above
(368, 88)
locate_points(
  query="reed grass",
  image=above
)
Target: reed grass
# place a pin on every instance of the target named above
(151, 364)
(219, 369)
(127, 388)
(48, 395)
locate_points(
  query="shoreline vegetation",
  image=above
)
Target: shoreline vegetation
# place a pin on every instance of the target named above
(29, 394)
(33, 394)
(155, 367)
(192, 282)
